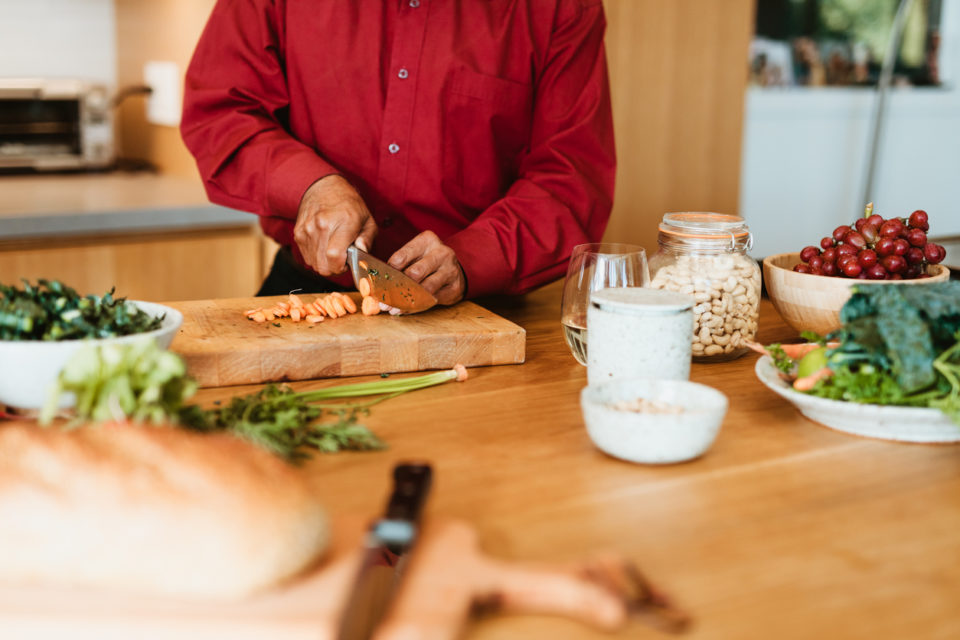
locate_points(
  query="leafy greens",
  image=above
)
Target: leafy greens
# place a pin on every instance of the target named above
(900, 345)
(50, 310)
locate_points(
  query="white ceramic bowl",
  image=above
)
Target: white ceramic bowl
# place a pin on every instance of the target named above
(650, 437)
(30, 367)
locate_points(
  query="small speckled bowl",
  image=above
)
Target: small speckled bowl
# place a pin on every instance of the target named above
(653, 438)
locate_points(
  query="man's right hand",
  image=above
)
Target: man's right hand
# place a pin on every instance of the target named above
(332, 216)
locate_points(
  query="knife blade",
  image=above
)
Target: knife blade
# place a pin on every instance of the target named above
(387, 550)
(388, 285)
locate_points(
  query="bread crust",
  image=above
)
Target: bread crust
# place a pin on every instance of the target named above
(152, 509)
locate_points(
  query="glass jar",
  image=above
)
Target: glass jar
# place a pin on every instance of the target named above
(705, 255)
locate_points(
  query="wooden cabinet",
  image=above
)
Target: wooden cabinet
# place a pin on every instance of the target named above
(176, 265)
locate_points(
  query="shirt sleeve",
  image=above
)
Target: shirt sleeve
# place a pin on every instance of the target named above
(235, 106)
(564, 191)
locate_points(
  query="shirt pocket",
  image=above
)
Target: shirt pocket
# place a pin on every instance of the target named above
(486, 132)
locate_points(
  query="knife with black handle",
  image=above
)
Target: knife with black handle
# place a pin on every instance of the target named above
(387, 549)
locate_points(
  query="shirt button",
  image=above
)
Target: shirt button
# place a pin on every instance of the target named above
(402, 74)
(414, 3)
(393, 148)
(386, 222)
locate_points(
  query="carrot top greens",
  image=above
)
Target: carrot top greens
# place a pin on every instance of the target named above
(141, 382)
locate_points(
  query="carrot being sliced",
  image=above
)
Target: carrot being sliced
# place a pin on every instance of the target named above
(314, 319)
(295, 314)
(369, 306)
(364, 287)
(295, 300)
(259, 316)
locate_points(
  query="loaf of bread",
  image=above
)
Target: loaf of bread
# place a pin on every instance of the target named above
(152, 510)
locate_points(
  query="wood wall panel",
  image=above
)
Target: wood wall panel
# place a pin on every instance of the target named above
(176, 266)
(162, 30)
(678, 72)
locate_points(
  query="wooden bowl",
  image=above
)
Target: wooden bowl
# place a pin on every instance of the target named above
(812, 303)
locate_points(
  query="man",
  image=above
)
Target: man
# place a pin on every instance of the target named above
(468, 141)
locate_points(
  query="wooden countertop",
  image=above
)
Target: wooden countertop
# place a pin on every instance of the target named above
(64, 204)
(784, 529)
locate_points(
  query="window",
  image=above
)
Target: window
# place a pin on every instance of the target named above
(842, 42)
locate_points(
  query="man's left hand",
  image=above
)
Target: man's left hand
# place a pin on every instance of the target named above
(434, 265)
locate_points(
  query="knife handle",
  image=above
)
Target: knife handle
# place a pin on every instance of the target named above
(411, 484)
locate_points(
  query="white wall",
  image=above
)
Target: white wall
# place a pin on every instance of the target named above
(805, 155)
(58, 38)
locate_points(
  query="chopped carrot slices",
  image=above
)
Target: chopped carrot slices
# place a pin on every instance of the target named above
(348, 303)
(369, 306)
(334, 305)
(337, 305)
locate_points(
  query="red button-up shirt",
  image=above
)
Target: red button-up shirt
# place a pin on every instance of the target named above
(485, 121)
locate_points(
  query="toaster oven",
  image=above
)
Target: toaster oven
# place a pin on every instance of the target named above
(55, 124)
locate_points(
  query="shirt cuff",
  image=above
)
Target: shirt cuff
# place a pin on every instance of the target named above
(485, 267)
(289, 180)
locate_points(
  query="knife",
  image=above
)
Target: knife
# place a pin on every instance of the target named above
(386, 551)
(388, 285)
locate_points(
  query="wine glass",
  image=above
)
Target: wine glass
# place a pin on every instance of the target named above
(594, 266)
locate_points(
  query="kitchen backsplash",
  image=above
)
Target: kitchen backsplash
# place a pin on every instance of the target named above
(58, 38)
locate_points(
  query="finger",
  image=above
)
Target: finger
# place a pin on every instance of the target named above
(426, 266)
(450, 291)
(448, 295)
(415, 249)
(305, 234)
(367, 234)
(438, 280)
(336, 254)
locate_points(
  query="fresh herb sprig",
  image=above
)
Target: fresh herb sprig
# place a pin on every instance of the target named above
(50, 311)
(283, 421)
(144, 383)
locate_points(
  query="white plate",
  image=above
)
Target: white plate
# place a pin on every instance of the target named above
(906, 424)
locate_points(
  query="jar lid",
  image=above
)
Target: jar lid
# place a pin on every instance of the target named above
(641, 301)
(704, 225)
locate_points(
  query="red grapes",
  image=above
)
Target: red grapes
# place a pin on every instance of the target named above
(875, 248)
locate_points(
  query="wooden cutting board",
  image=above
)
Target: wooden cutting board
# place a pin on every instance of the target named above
(447, 575)
(222, 347)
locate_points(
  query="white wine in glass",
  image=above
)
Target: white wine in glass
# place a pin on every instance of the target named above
(596, 266)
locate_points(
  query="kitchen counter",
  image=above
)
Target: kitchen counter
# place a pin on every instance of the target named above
(784, 529)
(33, 206)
